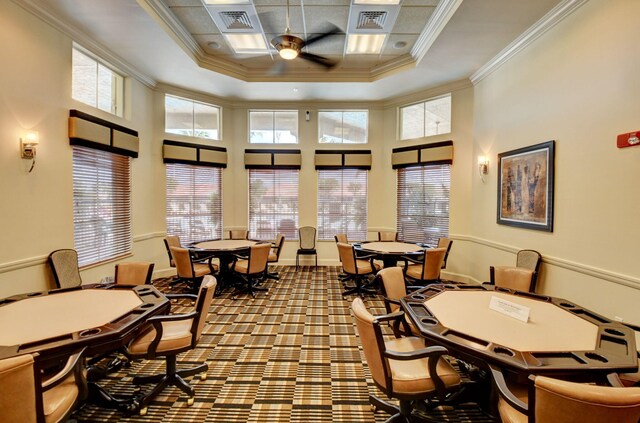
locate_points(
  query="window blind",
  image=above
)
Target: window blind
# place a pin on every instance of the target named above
(273, 203)
(194, 202)
(342, 203)
(423, 203)
(101, 205)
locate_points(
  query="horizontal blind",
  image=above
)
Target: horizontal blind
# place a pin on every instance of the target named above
(342, 203)
(194, 202)
(101, 205)
(423, 203)
(273, 203)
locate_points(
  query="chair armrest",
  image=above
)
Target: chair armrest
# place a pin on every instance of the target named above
(391, 300)
(73, 364)
(503, 389)
(365, 256)
(614, 380)
(434, 351)
(181, 296)
(412, 259)
(390, 316)
(413, 288)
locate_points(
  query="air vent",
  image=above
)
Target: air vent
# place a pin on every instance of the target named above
(236, 20)
(371, 20)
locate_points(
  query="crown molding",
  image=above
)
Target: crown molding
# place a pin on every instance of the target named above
(441, 16)
(548, 21)
(38, 9)
(427, 93)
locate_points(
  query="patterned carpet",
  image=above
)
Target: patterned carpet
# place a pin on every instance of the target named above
(291, 356)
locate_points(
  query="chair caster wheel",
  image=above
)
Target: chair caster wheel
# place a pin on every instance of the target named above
(190, 401)
(143, 411)
(373, 408)
(203, 376)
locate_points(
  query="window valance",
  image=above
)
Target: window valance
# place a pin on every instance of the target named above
(90, 131)
(197, 154)
(343, 159)
(434, 153)
(272, 159)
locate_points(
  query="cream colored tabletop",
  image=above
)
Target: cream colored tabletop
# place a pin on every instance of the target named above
(391, 247)
(53, 315)
(225, 244)
(549, 329)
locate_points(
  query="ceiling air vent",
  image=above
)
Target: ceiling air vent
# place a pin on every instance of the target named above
(371, 20)
(236, 20)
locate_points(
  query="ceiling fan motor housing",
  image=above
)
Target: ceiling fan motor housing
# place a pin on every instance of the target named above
(287, 41)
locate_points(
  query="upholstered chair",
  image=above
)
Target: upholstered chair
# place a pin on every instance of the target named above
(238, 234)
(65, 269)
(426, 268)
(387, 236)
(251, 268)
(517, 278)
(341, 238)
(171, 241)
(274, 255)
(307, 246)
(134, 273)
(357, 269)
(394, 288)
(525, 259)
(187, 270)
(445, 243)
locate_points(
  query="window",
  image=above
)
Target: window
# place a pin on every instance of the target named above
(273, 203)
(101, 205)
(194, 202)
(423, 203)
(95, 84)
(343, 127)
(273, 126)
(342, 203)
(190, 118)
(431, 117)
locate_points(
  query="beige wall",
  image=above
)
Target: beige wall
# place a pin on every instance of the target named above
(578, 85)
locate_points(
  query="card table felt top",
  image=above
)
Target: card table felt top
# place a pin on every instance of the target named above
(561, 338)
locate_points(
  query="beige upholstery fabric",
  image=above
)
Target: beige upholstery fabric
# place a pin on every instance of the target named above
(274, 253)
(257, 262)
(517, 278)
(342, 238)
(446, 244)
(394, 287)
(17, 389)
(171, 241)
(238, 234)
(560, 401)
(387, 236)
(508, 414)
(352, 266)
(529, 259)
(184, 266)
(429, 269)
(134, 273)
(64, 265)
(58, 401)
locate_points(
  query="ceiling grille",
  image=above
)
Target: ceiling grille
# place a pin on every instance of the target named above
(371, 20)
(236, 20)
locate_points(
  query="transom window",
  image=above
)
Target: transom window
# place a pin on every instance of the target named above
(194, 202)
(342, 203)
(431, 117)
(191, 118)
(101, 205)
(273, 126)
(95, 83)
(273, 203)
(343, 127)
(423, 203)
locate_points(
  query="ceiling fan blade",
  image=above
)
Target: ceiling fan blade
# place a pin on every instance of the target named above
(319, 60)
(332, 30)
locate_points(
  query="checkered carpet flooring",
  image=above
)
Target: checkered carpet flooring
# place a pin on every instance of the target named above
(291, 356)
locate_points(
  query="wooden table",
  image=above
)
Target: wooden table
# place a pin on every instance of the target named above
(225, 250)
(389, 251)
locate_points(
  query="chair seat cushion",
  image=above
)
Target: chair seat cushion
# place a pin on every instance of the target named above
(414, 271)
(412, 377)
(364, 267)
(201, 269)
(272, 257)
(59, 400)
(241, 266)
(507, 412)
(175, 335)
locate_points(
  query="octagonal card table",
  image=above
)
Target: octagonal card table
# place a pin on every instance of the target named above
(389, 251)
(560, 338)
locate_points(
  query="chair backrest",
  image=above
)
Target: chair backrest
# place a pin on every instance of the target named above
(529, 259)
(64, 265)
(341, 238)
(369, 341)
(510, 277)
(134, 273)
(387, 236)
(277, 249)
(171, 241)
(347, 258)
(433, 259)
(307, 235)
(184, 265)
(258, 257)
(394, 287)
(17, 389)
(560, 401)
(445, 243)
(203, 303)
(238, 234)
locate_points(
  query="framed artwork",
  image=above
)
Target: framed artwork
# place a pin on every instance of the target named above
(525, 187)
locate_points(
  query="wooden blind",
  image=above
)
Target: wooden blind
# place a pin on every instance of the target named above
(194, 202)
(101, 205)
(342, 203)
(273, 203)
(423, 203)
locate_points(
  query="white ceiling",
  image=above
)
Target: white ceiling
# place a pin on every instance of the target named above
(167, 41)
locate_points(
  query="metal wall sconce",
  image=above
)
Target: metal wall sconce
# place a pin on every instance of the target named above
(28, 145)
(483, 166)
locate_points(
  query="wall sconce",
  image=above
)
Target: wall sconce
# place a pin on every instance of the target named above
(28, 147)
(483, 166)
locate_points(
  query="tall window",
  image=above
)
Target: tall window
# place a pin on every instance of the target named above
(194, 202)
(423, 203)
(273, 203)
(431, 117)
(101, 205)
(96, 84)
(191, 118)
(343, 127)
(273, 126)
(342, 203)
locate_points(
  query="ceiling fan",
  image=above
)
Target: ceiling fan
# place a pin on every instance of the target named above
(290, 47)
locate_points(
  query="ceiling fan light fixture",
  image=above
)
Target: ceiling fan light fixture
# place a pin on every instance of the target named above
(288, 53)
(288, 46)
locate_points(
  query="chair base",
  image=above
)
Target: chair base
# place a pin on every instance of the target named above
(359, 287)
(249, 288)
(305, 254)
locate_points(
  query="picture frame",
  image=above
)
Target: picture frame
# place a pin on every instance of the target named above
(525, 187)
